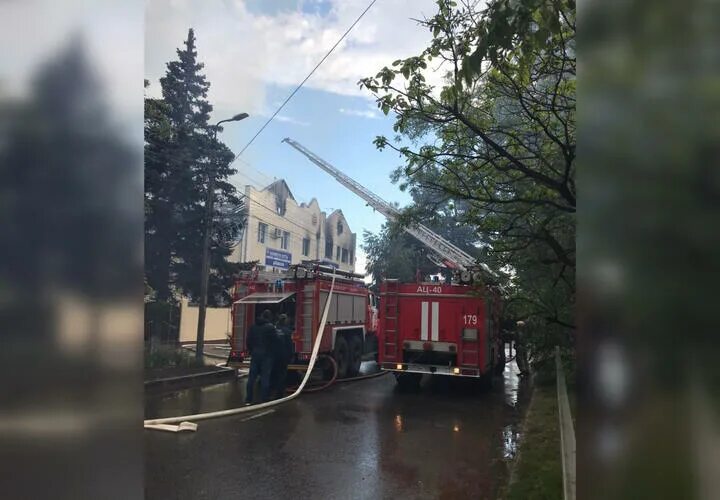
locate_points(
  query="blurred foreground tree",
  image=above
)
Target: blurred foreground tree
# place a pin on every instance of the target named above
(67, 172)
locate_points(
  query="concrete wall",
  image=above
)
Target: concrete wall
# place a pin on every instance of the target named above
(301, 221)
(217, 323)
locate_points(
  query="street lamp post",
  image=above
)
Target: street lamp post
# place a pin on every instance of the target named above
(205, 267)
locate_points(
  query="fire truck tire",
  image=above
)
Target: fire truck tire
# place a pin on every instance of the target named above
(408, 381)
(341, 353)
(355, 352)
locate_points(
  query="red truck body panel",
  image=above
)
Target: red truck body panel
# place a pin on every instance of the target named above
(438, 328)
(305, 302)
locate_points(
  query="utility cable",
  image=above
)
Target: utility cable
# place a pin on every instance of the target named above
(306, 79)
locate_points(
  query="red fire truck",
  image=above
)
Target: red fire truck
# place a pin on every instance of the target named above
(301, 294)
(439, 329)
(431, 327)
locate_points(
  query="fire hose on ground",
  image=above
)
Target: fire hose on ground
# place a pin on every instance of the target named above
(186, 422)
(334, 379)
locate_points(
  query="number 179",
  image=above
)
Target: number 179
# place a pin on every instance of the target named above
(470, 319)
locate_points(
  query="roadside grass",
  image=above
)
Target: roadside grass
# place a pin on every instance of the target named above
(167, 356)
(538, 471)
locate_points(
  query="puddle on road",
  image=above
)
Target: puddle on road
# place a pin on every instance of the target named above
(511, 437)
(512, 381)
(443, 441)
(474, 433)
(198, 399)
(223, 396)
(516, 392)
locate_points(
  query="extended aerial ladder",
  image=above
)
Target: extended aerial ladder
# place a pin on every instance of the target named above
(450, 255)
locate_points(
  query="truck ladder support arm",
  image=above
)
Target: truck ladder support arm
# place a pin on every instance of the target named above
(429, 238)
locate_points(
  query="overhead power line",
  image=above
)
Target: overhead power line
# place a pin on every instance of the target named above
(305, 80)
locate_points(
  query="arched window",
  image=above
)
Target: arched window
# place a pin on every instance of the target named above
(340, 227)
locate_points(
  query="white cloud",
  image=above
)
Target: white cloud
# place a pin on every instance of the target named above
(289, 119)
(364, 113)
(244, 51)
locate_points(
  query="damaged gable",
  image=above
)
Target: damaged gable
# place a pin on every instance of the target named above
(282, 192)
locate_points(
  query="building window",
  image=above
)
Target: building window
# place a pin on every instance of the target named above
(337, 254)
(306, 246)
(344, 255)
(262, 231)
(340, 227)
(280, 204)
(328, 250)
(285, 242)
(314, 219)
(352, 257)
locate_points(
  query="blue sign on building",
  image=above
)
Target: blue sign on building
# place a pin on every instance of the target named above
(277, 258)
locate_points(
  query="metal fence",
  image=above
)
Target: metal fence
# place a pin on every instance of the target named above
(567, 431)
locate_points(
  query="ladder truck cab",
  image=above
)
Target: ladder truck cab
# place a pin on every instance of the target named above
(301, 294)
(436, 328)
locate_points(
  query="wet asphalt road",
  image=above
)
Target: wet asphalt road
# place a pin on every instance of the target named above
(355, 440)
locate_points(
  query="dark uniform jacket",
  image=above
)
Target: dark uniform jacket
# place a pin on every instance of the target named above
(284, 347)
(260, 338)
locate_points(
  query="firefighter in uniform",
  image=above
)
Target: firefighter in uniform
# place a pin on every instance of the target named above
(521, 358)
(259, 343)
(283, 351)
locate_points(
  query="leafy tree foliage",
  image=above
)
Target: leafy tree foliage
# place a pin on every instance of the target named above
(498, 139)
(181, 153)
(393, 253)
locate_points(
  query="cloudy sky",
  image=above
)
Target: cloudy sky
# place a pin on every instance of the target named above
(256, 51)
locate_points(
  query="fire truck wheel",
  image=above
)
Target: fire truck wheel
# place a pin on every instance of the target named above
(341, 353)
(408, 381)
(354, 355)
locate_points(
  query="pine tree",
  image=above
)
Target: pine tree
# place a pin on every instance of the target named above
(180, 155)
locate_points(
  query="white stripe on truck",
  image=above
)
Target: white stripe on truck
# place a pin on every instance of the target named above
(424, 321)
(435, 318)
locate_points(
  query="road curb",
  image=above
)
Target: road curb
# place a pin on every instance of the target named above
(207, 354)
(223, 373)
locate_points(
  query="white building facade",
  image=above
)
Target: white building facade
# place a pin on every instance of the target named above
(279, 231)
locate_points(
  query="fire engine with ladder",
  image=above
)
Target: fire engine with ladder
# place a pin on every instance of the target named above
(430, 327)
(301, 293)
